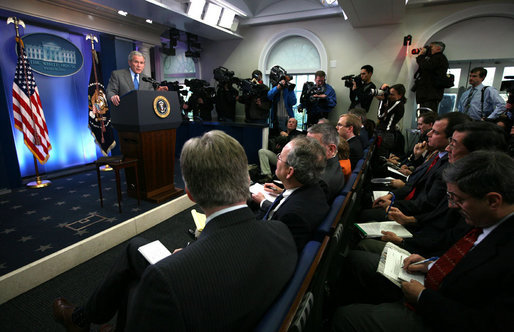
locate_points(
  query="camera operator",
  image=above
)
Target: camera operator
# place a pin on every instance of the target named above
(282, 97)
(321, 101)
(256, 101)
(390, 112)
(360, 87)
(433, 65)
(201, 101)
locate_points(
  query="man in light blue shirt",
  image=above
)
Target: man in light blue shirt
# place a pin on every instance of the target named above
(479, 101)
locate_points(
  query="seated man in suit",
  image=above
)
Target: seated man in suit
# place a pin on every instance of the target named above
(333, 176)
(269, 157)
(123, 81)
(425, 186)
(223, 281)
(469, 288)
(302, 206)
(363, 133)
(348, 128)
(467, 137)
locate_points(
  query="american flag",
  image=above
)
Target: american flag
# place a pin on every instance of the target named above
(27, 109)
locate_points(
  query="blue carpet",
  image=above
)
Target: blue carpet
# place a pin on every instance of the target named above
(37, 222)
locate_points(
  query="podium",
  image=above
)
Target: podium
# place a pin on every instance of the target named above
(146, 122)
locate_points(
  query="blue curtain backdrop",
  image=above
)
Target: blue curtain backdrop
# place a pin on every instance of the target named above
(64, 101)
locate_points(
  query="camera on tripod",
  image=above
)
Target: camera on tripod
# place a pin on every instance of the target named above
(278, 74)
(349, 79)
(223, 76)
(174, 86)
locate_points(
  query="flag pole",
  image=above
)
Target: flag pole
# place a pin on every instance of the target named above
(38, 183)
(98, 116)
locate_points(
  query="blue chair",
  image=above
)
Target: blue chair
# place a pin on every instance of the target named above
(348, 186)
(358, 166)
(325, 226)
(276, 314)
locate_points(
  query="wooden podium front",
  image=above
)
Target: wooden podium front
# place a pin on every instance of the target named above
(147, 133)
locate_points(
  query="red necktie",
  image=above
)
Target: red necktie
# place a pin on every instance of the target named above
(452, 257)
(411, 194)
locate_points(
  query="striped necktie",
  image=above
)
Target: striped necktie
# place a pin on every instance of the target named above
(271, 209)
(468, 100)
(450, 259)
(136, 82)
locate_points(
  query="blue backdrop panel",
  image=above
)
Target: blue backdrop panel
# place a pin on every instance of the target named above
(64, 101)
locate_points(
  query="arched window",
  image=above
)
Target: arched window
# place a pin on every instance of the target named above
(300, 53)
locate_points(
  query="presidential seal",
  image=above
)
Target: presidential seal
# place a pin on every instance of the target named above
(161, 106)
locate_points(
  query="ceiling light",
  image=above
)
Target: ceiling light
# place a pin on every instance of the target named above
(122, 13)
(227, 18)
(212, 14)
(149, 21)
(195, 9)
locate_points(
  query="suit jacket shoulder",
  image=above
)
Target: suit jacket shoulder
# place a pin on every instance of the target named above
(230, 275)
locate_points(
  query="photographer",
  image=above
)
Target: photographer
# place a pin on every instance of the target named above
(360, 87)
(318, 100)
(433, 65)
(226, 94)
(390, 112)
(282, 99)
(255, 99)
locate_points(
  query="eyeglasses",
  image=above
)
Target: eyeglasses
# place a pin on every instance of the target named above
(278, 157)
(454, 199)
(452, 141)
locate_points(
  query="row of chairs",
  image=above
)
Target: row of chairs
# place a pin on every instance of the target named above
(300, 306)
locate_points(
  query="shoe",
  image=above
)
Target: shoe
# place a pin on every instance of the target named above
(62, 311)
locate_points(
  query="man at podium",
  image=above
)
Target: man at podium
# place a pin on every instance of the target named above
(125, 80)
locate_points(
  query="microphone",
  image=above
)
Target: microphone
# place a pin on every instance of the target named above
(151, 80)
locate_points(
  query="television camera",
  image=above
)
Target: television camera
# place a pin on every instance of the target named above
(278, 74)
(309, 92)
(349, 79)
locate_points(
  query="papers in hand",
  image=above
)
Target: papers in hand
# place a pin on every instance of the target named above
(259, 188)
(199, 219)
(154, 251)
(379, 193)
(391, 262)
(374, 229)
(392, 170)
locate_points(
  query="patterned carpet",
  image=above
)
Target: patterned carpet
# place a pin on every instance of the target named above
(37, 222)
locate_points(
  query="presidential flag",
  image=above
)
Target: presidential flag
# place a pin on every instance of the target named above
(27, 109)
(99, 115)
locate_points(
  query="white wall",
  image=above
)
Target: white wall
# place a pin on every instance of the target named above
(466, 36)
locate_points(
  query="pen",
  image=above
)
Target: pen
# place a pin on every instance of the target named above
(272, 188)
(431, 259)
(391, 204)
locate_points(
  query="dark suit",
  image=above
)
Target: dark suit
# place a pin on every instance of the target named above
(356, 151)
(121, 83)
(333, 177)
(364, 137)
(224, 281)
(477, 295)
(302, 212)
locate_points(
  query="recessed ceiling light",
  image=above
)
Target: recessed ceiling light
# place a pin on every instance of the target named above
(149, 21)
(122, 13)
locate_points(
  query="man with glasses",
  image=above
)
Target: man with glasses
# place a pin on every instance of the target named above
(348, 128)
(469, 287)
(302, 204)
(467, 137)
(480, 101)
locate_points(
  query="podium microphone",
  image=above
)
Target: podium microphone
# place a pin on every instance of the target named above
(152, 81)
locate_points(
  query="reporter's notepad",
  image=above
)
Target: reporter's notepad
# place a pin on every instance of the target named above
(374, 229)
(199, 219)
(154, 251)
